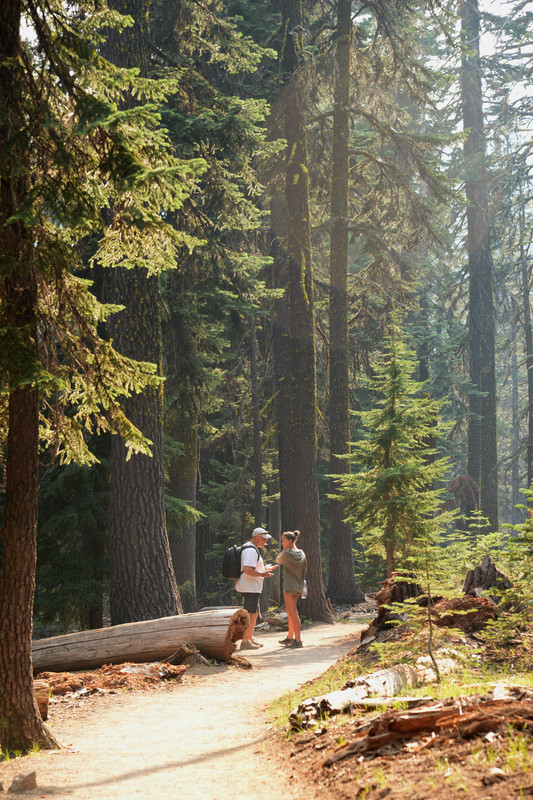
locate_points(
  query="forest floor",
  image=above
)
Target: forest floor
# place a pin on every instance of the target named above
(208, 735)
(204, 736)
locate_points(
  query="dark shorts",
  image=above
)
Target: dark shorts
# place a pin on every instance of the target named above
(250, 602)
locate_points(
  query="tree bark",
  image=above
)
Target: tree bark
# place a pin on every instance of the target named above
(528, 336)
(304, 485)
(22, 725)
(282, 372)
(257, 452)
(142, 581)
(482, 436)
(342, 586)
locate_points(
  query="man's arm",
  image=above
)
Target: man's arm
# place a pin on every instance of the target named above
(269, 571)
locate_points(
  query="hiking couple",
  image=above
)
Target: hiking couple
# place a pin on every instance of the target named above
(253, 572)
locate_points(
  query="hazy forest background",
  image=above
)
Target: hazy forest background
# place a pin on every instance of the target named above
(216, 218)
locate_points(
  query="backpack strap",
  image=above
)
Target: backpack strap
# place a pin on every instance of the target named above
(247, 547)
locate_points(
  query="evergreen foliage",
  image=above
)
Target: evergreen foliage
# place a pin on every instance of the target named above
(394, 494)
(81, 153)
(72, 568)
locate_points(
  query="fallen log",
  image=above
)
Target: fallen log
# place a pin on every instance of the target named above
(380, 684)
(214, 633)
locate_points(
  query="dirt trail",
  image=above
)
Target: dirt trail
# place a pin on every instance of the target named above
(205, 738)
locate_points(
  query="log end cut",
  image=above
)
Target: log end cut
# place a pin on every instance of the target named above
(236, 628)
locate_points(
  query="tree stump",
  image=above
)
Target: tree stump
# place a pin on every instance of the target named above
(484, 577)
(394, 590)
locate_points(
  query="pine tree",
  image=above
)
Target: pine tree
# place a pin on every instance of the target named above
(142, 580)
(219, 287)
(393, 495)
(304, 503)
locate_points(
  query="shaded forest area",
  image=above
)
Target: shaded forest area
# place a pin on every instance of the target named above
(261, 263)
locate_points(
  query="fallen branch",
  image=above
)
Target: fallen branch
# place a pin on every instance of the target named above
(455, 718)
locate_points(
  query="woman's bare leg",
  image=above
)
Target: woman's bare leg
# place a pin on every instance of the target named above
(295, 624)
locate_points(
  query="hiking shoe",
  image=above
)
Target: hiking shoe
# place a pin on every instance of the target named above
(247, 645)
(286, 640)
(259, 644)
(295, 644)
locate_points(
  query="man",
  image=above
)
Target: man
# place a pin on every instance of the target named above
(250, 582)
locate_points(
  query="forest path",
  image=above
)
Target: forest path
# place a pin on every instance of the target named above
(206, 737)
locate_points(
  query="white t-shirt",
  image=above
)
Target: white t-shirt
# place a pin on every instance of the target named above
(250, 583)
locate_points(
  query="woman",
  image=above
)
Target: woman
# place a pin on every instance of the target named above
(294, 564)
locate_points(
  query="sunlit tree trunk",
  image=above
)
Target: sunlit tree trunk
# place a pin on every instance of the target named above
(304, 486)
(528, 336)
(257, 451)
(482, 437)
(342, 586)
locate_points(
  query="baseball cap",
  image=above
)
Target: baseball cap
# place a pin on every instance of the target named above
(261, 532)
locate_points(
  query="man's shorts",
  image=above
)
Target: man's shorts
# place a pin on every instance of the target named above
(250, 602)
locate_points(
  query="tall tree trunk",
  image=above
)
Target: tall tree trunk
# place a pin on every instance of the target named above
(181, 428)
(482, 436)
(22, 725)
(282, 361)
(277, 243)
(304, 487)
(342, 586)
(515, 427)
(528, 335)
(21, 722)
(142, 582)
(258, 457)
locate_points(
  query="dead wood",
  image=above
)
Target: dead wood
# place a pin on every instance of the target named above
(467, 613)
(394, 590)
(484, 577)
(455, 718)
(111, 677)
(240, 661)
(183, 654)
(214, 633)
(380, 685)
